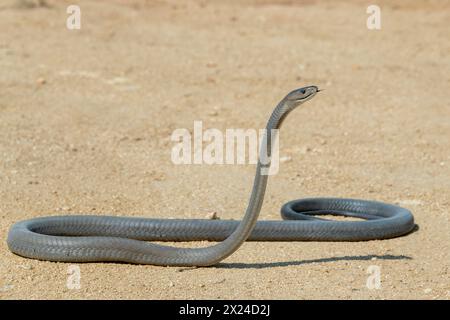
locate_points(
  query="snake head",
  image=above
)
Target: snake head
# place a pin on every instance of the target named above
(301, 95)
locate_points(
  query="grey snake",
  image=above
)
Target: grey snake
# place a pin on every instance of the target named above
(125, 239)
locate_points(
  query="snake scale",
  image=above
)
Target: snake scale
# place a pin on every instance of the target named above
(106, 238)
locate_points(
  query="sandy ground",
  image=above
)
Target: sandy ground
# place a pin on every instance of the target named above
(86, 118)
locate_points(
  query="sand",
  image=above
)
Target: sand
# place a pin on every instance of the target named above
(86, 117)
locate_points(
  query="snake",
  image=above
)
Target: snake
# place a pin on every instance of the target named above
(98, 238)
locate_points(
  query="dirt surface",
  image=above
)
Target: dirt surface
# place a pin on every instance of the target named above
(86, 117)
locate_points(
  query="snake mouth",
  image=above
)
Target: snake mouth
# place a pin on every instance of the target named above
(310, 95)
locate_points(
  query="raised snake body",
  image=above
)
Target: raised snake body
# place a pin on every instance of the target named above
(106, 238)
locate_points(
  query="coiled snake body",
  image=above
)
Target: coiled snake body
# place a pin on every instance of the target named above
(104, 238)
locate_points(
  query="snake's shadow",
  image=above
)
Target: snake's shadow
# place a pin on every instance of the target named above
(305, 262)
(263, 265)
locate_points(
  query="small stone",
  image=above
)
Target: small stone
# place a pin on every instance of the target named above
(41, 81)
(427, 290)
(26, 266)
(171, 284)
(212, 216)
(285, 159)
(304, 150)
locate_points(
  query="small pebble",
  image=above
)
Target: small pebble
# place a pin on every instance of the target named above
(428, 290)
(73, 148)
(304, 150)
(26, 266)
(285, 159)
(212, 216)
(41, 81)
